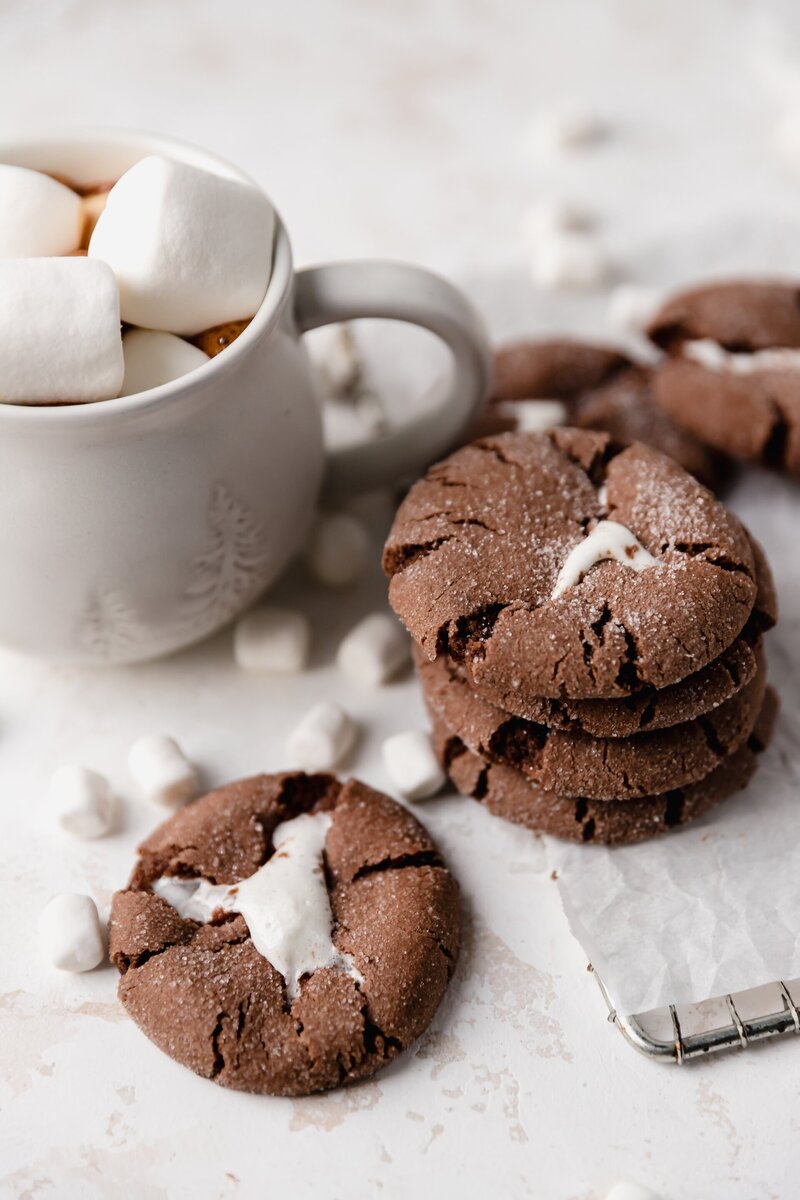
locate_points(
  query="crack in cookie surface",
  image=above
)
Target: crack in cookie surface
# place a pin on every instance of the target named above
(507, 793)
(573, 763)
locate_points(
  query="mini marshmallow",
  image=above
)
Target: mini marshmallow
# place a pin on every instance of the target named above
(533, 416)
(70, 935)
(412, 765)
(81, 801)
(375, 650)
(566, 129)
(625, 1190)
(59, 331)
(190, 249)
(569, 260)
(337, 356)
(546, 217)
(162, 771)
(152, 358)
(632, 305)
(39, 217)
(272, 639)
(337, 549)
(323, 737)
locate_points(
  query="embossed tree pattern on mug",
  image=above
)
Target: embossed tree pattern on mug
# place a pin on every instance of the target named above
(233, 568)
(109, 628)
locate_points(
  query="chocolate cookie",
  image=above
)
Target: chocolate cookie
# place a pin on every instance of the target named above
(495, 558)
(651, 709)
(354, 903)
(572, 763)
(732, 375)
(509, 794)
(600, 388)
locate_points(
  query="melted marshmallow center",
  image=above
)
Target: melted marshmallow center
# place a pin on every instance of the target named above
(285, 903)
(608, 540)
(708, 353)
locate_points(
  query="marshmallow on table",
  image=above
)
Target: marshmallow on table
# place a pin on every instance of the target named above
(631, 306)
(59, 331)
(39, 217)
(153, 357)
(323, 737)
(566, 129)
(70, 934)
(272, 639)
(190, 249)
(337, 549)
(546, 217)
(81, 801)
(334, 351)
(533, 416)
(162, 771)
(375, 650)
(569, 260)
(412, 765)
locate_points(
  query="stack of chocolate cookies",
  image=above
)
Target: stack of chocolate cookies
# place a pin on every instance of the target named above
(588, 620)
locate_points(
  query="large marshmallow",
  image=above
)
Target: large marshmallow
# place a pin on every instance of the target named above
(70, 934)
(153, 357)
(59, 331)
(38, 216)
(190, 249)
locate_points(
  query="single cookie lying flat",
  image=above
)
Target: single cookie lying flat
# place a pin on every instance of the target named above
(509, 794)
(365, 932)
(649, 708)
(573, 763)
(732, 375)
(600, 388)
(480, 544)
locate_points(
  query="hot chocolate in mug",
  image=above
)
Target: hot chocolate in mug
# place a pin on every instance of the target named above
(132, 527)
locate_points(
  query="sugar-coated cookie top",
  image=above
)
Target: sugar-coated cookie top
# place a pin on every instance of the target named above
(478, 544)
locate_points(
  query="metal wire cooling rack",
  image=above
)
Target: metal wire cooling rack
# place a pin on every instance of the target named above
(739, 1033)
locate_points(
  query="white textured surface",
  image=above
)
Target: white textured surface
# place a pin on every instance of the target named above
(412, 120)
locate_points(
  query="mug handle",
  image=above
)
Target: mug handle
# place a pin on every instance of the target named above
(338, 292)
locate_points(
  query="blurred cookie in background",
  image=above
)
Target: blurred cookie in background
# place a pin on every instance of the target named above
(732, 371)
(539, 384)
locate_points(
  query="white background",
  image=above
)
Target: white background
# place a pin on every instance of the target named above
(394, 129)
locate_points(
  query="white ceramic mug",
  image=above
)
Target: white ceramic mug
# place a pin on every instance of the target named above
(132, 527)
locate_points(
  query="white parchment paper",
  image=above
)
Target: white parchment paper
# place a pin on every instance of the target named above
(713, 908)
